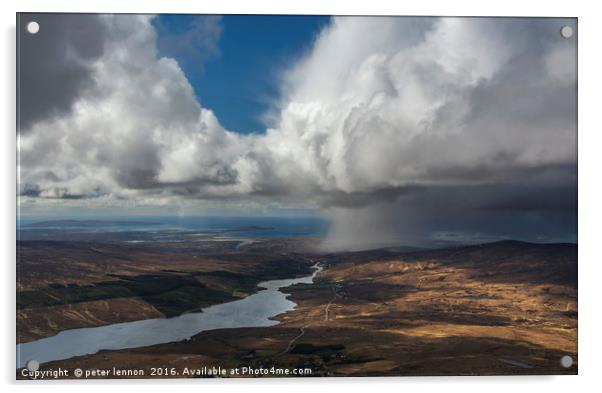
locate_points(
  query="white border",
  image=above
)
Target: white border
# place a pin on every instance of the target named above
(590, 194)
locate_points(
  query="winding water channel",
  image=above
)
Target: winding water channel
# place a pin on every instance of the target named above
(252, 311)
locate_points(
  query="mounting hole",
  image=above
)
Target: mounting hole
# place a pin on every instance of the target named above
(566, 31)
(33, 27)
(566, 361)
(32, 365)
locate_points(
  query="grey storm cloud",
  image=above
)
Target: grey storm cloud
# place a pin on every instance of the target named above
(55, 65)
(396, 127)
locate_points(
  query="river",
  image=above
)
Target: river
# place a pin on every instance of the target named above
(252, 311)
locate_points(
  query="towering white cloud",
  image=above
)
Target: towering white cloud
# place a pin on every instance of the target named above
(388, 113)
(138, 130)
(469, 102)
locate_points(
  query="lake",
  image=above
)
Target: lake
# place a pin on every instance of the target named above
(252, 311)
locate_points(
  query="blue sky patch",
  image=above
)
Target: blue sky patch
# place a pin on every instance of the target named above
(234, 62)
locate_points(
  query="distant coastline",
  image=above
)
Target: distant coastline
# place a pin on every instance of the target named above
(86, 223)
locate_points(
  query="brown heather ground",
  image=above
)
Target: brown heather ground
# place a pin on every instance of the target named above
(66, 285)
(503, 308)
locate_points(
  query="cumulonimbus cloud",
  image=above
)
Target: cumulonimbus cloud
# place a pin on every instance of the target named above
(379, 111)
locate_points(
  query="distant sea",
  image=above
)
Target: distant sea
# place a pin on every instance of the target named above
(244, 227)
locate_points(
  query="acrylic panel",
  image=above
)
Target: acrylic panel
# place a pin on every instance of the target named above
(295, 196)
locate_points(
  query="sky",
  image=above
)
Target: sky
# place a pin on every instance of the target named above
(399, 129)
(239, 78)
